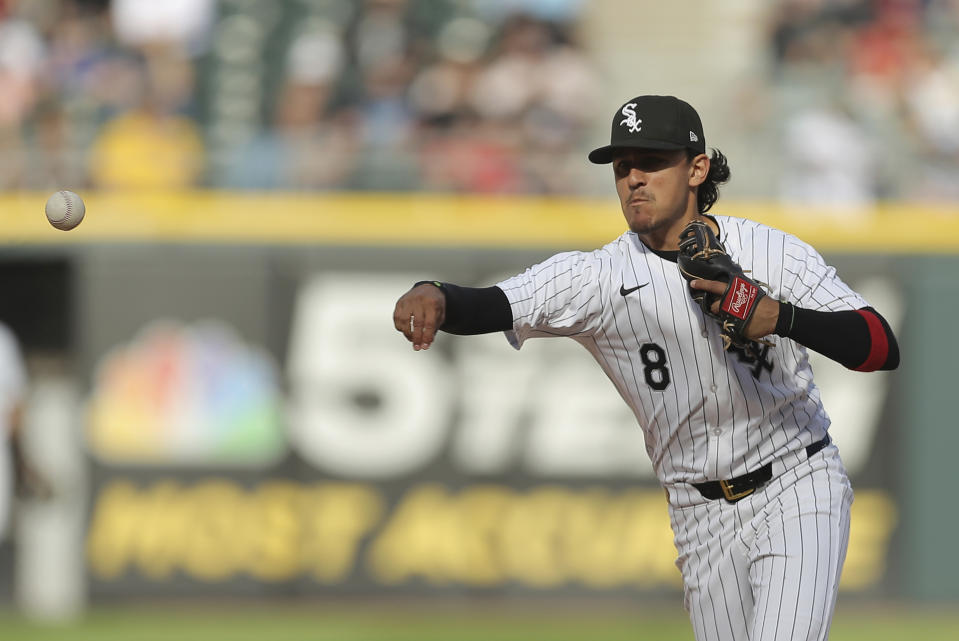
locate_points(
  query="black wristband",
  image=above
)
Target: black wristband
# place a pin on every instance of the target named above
(435, 283)
(786, 320)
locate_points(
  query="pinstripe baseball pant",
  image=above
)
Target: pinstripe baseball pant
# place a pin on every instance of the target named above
(768, 566)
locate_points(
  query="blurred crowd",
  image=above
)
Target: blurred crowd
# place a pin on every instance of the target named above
(438, 95)
(869, 95)
(488, 96)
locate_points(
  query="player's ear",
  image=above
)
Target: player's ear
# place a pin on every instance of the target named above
(698, 170)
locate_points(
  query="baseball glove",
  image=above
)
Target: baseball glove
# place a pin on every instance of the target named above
(702, 256)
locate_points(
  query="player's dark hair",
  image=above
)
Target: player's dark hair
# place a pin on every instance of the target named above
(718, 174)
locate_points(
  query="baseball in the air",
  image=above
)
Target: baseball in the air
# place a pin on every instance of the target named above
(65, 210)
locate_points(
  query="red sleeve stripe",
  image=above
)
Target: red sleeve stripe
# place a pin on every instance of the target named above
(878, 342)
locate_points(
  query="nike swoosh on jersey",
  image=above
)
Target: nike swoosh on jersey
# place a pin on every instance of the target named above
(626, 292)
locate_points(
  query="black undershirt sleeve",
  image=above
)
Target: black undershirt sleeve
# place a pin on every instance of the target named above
(474, 310)
(845, 336)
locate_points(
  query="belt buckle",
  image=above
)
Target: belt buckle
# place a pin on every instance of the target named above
(731, 495)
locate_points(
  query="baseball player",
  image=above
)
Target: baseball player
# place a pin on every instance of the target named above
(702, 323)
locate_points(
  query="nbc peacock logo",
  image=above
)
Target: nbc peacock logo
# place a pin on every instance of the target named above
(181, 394)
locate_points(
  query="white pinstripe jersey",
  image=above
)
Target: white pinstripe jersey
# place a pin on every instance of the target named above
(706, 413)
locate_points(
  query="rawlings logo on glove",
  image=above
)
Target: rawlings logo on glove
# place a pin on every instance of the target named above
(740, 298)
(702, 256)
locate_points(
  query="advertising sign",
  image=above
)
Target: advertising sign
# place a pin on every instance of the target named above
(311, 450)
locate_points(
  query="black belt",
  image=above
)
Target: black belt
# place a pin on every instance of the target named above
(742, 486)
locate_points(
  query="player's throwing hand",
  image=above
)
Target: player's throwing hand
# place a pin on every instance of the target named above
(419, 312)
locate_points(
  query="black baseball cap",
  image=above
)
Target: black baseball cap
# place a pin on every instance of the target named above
(653, 122)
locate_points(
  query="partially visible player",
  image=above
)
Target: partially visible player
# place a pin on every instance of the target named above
(17, 477)
(13, 385)
(759, 499)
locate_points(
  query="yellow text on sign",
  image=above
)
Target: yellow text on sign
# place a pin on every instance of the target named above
(483, 535)
(216, 529)
(546, 537)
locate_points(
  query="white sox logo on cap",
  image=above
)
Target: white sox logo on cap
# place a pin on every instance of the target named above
(631, 121)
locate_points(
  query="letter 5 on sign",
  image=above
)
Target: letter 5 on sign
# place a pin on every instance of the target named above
(362, 403)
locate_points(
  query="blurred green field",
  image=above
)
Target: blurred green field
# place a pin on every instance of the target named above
(422, 623)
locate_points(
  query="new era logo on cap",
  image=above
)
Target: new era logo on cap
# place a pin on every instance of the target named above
(653, 122)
